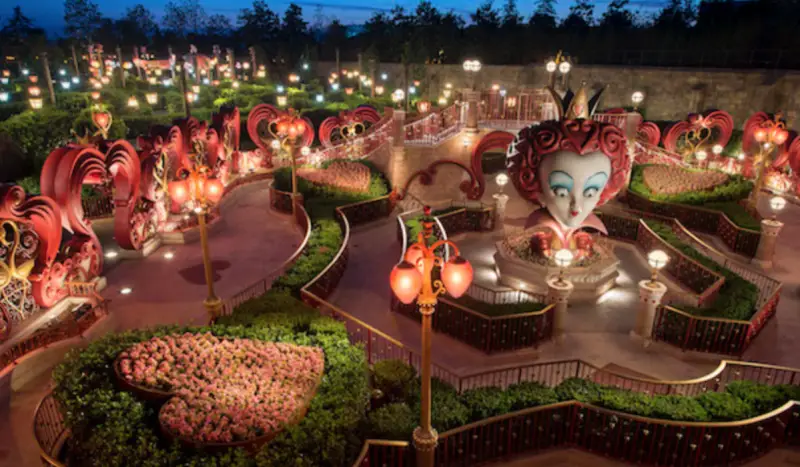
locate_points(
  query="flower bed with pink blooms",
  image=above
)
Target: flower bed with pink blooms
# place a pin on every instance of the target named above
(223, 390)
(670, 180)
(343, 175)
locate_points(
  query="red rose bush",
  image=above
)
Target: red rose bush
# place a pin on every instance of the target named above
(224, 390)
(344, 175)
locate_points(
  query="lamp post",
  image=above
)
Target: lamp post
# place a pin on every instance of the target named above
(561, 63)
(650, 294)
(563, 258)
(472, 67)
(413, 279)
(559, 290)
(701, 155)
(770, 135)
(289, 127)
(197, 190)
(777, 203)
(500, 200)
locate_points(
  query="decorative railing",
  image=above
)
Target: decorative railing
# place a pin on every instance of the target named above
(645, 153)
(49, 431)
(434, 128)
(489, 334)
(708, 221)
(384, 453)
(503, 109)
(622, 120)
(96, 207)
(503, 296)
(78, 321)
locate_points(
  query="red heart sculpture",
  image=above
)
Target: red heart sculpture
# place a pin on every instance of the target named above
(223, 391)
(102, 120)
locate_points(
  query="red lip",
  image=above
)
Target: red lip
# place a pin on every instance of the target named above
(574, 213)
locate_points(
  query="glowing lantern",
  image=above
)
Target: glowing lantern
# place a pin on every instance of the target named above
(511, 102)
(102, 120)
(34, 91)
(780, 136)
(261, 74)
(36, 103)
(214, 189)
(406, 282)
(457, 276)
(379, 90)
(196, 89)
(105, 80)
(34, 79)
(413, 256)
(235, 85)
(282, 101)
(152, 98)
(348, 91)
(423, 106)
(95, 95)
(178, 191)
(133, 102)
(760, 135)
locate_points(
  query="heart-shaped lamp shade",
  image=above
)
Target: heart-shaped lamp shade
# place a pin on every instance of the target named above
(406, 282)
(457, 276)
(102, 120)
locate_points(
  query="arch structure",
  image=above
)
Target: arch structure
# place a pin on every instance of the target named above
(262, 129)
(347, 126)
(699, 132)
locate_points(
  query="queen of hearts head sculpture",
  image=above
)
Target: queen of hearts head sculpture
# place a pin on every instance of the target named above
(569, 166)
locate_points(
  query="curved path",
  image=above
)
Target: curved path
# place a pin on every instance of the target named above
(251, 241)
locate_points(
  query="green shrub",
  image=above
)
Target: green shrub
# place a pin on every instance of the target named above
(736, 299)
(392, 421)
(524, 395)
(36, 134)
(737, 213)
(447, 410)
(393, 378)
(678, 408)
(83, 124)
(73, 102)
(626, 401)
(581, 390)
(486, 402)
(110, 427)
(30, 185)
(725, 406)
(323, 244)
(498, 309)
(762, 398)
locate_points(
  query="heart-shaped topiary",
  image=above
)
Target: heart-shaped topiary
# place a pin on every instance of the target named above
(223, 391)
(665, 179)
(344, 175)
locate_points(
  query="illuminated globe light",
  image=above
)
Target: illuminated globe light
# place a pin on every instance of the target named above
(740, 156)
(126, 290)
(457, 276)
(502, 93)
(334, 86)
(406, 282)
(448, 85)
(34, 91)
(133, 102)
(167, 82)
(294, 78)
(379, 90)
(4, 96)
(275, 144)
(398, 95)
(151, 97)
(36, 103)
(280, 88)
(152, 80)
(551, 66)
(443, 101)
(282, 101)
(412, 90)
(235, 85)
(384, 76)
(447, 93)
(3, 80)
(760, 135)
(26, 71)
(777, 203)
(495, 87)
(701, 155)
(62, 72)
(320, 98)
(657, 259)
(65, 84)
(97, 85)
(111, 254)
(105, 80)
(717, 149)
(95, 95)
(637, 97)
(564, 67)
(75, 80)
(246, 65)
(261, 74)
(305, 150)
(502, 180)
(779, 136)
(563, 258)
(196, 89)
(206, 81)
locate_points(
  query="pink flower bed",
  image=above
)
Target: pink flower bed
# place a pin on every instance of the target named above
(225, 390)
(350, 176)
(670, 180)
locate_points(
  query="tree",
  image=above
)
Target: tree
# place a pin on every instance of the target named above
(294, 34)
(258, 24)
(218, 25)
(17, 28)
(511, 17)
(544, 16)
(82, 18)
(580, 17)
(617, 17)
(675, 16)
(138, 26)
(182, 17)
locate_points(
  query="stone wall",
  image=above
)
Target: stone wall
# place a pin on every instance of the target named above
(671, 92)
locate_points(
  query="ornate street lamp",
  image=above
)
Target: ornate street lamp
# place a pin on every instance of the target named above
(777, 203)
(472, 67)
(288, 128)
(637, 98)
(769, 136)
(563, 258)
(413, 279)
(657, 259)
(198, 191)
(561, 63)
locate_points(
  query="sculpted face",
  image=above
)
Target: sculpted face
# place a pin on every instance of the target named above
(572, 184)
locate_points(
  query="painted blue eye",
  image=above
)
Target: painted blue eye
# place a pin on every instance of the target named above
(560, 191)
(590, 192)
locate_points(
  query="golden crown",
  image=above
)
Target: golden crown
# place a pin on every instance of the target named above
(576, 105)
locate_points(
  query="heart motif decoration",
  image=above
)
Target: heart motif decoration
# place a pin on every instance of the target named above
(102, 120)
(344, 175)
(347, 125)
(664, 179)
(222, 391)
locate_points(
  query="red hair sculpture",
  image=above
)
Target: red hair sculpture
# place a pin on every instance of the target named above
(534, 143)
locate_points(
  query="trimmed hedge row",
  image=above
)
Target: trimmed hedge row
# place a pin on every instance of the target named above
(111, 427)
(737, 298)
(398, 417)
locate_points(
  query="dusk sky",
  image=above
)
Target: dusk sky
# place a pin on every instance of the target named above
(49, 14)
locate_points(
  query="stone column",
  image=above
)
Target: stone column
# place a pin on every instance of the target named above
(650, 295)
(558, 293)
(472, 99)
(500, 201)
(770, 228)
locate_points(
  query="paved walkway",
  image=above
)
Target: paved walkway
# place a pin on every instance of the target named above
(252, 241)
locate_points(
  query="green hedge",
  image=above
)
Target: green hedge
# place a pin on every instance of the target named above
(741, 400)
(737, 298)
(721, 198)
(35, 134)
(110, 427)
(500, 309)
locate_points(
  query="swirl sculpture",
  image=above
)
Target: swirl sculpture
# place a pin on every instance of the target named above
(347, 125)
(699, 131)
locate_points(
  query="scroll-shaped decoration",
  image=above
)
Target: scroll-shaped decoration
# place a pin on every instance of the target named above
(347, 125)
(258, 122)
(470, 187)
(699, 131)
(493, 140)
(649, 133)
